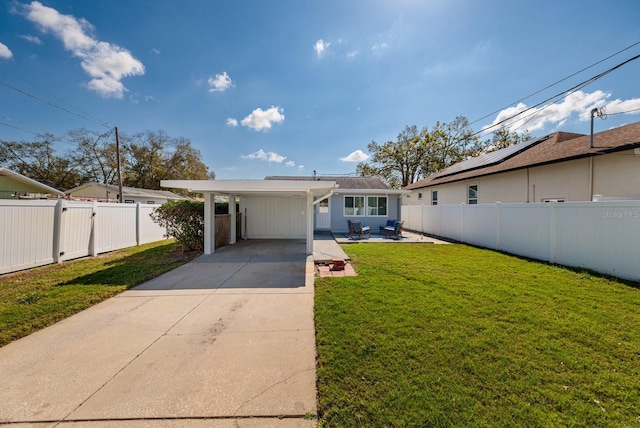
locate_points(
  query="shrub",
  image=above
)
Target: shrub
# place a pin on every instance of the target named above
(184, 220)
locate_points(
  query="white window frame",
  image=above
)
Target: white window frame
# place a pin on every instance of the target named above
(470, 200)
(419, 195)
(434, 197)
(365, 206)
(377, 207)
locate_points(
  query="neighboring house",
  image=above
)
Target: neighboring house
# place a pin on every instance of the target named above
(17, 186)
(131, 195)
(558, 167)
(368, 199)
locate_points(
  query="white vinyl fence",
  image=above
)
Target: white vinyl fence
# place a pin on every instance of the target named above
(36, 233)
(601, 236)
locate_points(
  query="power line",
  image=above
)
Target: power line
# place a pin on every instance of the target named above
(106, 125)
(562, 94)
(53, 96)
(555, 83)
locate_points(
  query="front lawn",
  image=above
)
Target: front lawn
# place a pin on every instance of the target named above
(35, 298)
(450, 335)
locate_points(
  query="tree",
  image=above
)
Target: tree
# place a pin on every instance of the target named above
(154, 156)
(418, 154)
(449, 143)
(37, 160)
(399, 162)
(503, 138)
(96, 153)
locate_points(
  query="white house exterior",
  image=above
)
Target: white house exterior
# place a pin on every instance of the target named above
(560, 167)
(131, 195)
(367, 199)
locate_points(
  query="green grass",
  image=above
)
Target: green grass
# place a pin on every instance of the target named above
(450, 335)
(35, 298)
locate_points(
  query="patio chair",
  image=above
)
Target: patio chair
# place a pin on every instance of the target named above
(395, 231)
(357, 230)
(390, 223)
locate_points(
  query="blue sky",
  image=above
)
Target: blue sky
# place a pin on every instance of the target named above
(286, 87)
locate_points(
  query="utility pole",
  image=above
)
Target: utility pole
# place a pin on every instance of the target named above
(120, 196)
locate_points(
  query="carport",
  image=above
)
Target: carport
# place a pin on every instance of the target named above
(271, 209)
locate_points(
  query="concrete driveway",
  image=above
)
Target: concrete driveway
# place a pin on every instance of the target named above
(226, 340)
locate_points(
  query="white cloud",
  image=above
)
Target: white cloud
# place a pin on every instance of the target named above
(379, 47)
(321, 47)
(557, 114)
(619, 106)
(290, 164)
(220, 83)
(232, 121)
(107, 64)
(300, 167)
(357, 156)
(5, 52)
(352, 54)
(33, 39)
(260, 120)
(265, 156)
(155, 51)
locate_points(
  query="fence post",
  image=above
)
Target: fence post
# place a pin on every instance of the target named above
(137, 223)
(498, 220)
(58, 230)
(462, 222)
(552, 232)
(92, 237)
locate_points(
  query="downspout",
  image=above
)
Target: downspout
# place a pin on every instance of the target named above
(328, 195)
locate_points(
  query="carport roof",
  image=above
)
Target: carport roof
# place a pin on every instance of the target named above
(252, 187)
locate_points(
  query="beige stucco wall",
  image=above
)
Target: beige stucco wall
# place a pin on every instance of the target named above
(614, 175)
(93, 192)
(617, 174)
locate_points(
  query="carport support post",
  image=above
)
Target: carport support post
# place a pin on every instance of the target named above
(309, 223)
(233, 219)
(209, 223)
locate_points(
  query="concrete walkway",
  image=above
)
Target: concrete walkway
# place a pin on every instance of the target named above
(225, 341)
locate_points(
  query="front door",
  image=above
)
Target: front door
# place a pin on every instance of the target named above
(323, 215)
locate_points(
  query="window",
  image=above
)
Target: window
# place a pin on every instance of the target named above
(151, 202)
(355, 206)
(420, 195)
(323, 206)
(434, 197)
(472, 198)
(377, 205)
(129, 201)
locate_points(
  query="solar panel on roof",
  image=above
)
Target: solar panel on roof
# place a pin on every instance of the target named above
(489, 158)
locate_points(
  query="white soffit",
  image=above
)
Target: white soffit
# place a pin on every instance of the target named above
(251, 187)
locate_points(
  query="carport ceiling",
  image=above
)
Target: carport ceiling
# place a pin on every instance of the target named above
(252, 187)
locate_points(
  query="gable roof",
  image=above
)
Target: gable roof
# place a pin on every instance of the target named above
(344, 183)
(29, 185)
(553, 148)
(129, 191)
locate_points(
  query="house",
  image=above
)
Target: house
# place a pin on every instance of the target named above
(16, 186)
(131, 195)
(368, 199)
(271, 209)
(558, 167)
